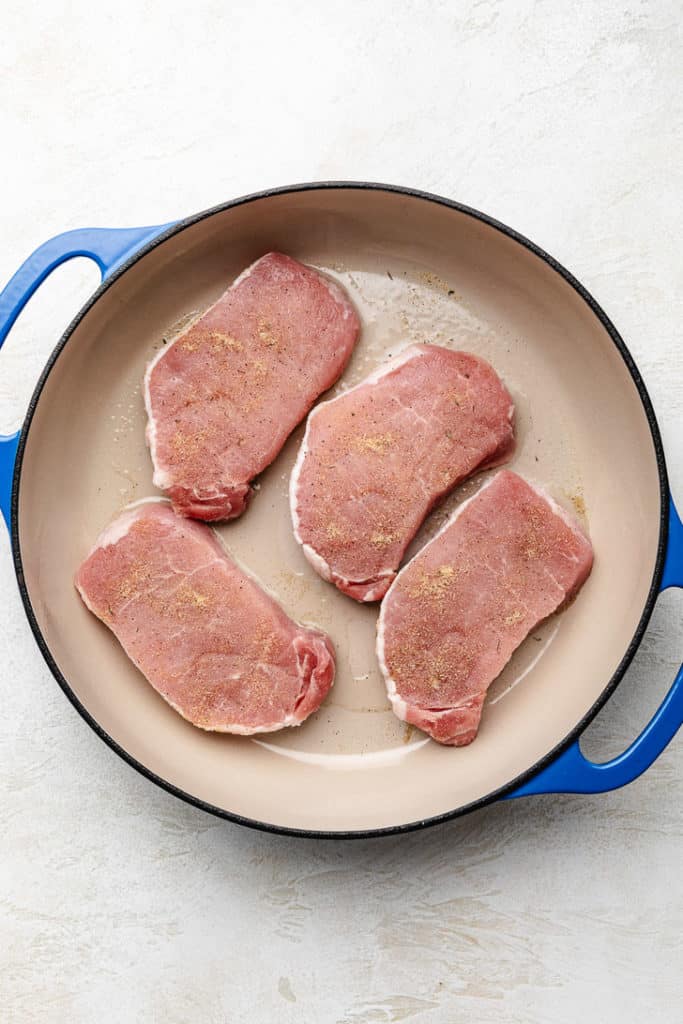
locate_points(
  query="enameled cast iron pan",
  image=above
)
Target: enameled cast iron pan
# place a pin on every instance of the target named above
(419, 268)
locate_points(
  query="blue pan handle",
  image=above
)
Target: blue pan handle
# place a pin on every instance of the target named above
(108, 247)
(571, 772)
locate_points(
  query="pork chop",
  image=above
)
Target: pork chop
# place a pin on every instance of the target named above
(219, 649)
(376, 459)
(506, 559)
(223, 398)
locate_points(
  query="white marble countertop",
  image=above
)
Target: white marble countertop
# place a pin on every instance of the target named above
(118, 903)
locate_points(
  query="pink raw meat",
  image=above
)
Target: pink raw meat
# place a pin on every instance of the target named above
(206, 636)
(223, 398)
(377, 458)
(506, 559)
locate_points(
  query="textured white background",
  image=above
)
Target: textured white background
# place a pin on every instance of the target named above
(119, 903)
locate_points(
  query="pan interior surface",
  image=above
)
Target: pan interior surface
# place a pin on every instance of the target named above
(418, 271)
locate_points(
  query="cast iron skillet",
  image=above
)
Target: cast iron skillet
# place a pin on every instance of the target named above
(419, 268)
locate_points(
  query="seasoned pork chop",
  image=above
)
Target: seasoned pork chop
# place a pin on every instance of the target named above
(506, 559)
(376, 459)
(223, 398)
(219, 649)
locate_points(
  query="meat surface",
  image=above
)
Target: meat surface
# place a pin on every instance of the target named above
(377, 458)
(223, 398)
(506, 559)
(219, 649)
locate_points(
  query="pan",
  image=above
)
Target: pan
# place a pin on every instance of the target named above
(419, 268)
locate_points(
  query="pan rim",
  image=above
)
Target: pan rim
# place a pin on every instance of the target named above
(611, 684)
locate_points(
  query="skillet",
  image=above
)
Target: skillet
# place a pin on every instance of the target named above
(419, 268)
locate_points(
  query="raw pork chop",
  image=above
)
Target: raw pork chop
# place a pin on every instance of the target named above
(507, 558)
(207, 637)
(223, 398)
(377, 458)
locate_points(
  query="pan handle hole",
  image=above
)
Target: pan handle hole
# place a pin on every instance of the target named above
(36, 332)
(644, 686)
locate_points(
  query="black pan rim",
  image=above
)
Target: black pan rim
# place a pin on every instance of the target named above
(611, 685)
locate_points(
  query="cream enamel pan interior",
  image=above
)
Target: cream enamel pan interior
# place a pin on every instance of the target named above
(419, 270)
